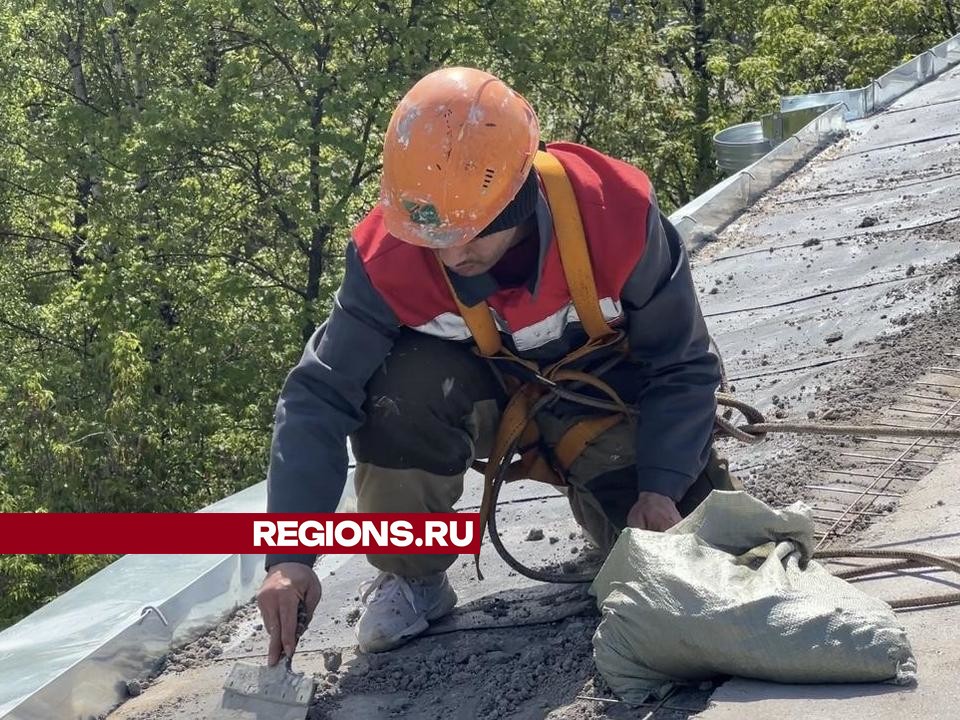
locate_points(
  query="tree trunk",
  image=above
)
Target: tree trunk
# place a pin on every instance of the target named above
(321, 230)
(79, 236)
(211, 60)
(88, 186)
(119, 68)
(315, 266)
(950, 17)
(701, 109)
(139, 81)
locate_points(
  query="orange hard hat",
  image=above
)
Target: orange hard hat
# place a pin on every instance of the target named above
(458, 148)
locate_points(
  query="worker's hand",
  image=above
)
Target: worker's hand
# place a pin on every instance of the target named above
(279, 598)
(653, 511)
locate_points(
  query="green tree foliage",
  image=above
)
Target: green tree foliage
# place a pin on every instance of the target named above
(178, 180)
(820, 45)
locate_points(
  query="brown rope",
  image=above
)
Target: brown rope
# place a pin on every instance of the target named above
(890, 567)
(830, 429)
(757, 426)
(754, 431)
(906, 559)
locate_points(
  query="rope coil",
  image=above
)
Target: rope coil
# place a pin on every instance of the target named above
(754, 431)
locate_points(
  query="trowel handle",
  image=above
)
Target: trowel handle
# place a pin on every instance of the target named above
(302, 622)
(302, 619)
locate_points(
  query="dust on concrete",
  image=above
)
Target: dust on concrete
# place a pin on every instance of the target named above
(540, 672)
(855, 393)
(488, 674)
(201, 649)
(509, 666)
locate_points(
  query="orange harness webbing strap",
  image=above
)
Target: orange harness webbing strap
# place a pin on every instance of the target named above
(574, 254)
(479, 320)
(517, 425)
(579, 436)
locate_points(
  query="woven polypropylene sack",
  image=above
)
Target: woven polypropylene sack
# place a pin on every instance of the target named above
(729, 591)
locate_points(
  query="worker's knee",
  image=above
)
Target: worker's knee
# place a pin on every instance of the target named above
(382, 489)
(600, 517)
(606, 460)
(611, 494)
(432, 405)
(715, 476)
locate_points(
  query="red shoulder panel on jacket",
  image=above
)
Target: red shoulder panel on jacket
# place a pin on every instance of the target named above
(408, 277)
(614, 200)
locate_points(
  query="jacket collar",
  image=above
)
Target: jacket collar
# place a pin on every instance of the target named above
(472, 290)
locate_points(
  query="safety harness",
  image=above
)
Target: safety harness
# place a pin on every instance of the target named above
(518, 431)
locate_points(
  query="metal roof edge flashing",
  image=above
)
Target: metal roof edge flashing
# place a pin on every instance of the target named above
(699, 220)
(96, 680)
(881, 92)
(74, 656)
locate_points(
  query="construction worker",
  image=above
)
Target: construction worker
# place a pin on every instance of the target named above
(394, 367)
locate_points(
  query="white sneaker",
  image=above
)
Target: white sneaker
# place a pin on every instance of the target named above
(399, 608)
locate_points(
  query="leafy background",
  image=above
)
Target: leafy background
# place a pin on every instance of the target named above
(178, 180)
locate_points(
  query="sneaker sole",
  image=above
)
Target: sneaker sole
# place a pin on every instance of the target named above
(395, 641)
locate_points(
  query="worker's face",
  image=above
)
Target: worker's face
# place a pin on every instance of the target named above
(480, 254)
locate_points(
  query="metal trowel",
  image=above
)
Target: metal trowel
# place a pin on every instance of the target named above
(267, 693)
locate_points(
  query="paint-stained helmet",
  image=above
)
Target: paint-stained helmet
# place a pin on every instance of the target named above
(458, 148)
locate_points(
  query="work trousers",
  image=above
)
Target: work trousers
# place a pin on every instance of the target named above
(433, 408)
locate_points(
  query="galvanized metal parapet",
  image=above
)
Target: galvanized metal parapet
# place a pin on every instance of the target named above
(880, 93)
(713, 210)
(699, 219)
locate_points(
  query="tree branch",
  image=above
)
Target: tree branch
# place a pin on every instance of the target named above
(265, 45)
(66, 91)
(240, 259)
(37, 335)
